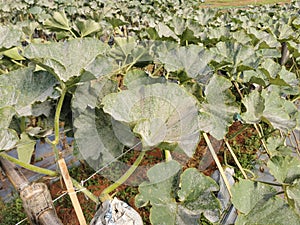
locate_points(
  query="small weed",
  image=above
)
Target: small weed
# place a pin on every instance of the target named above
(12, 213)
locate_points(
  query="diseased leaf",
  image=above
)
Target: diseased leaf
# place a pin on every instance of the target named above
(9, 37)
(25, 148)
(216, 113)
(270, 107)
(32, 87)
(68, 58)
(6, 114)
(284, 168)
(270, 212)
(293, 193)
(245, 201)
(236, 55)
(8, 139)
(168, 103)
(279, 112)
(195, 195)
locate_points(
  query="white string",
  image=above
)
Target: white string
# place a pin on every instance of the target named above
(112, 161)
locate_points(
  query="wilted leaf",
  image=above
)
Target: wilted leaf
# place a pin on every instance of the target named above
(216, 114)
(255, 105)
(25, 148)
(8, 139)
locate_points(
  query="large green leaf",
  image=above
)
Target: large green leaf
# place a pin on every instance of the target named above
(66, 59)
(25, 148)
(167, 105)
(95, 138)
(216, 114)
(192, 59)
(31, 86)
(195, 195)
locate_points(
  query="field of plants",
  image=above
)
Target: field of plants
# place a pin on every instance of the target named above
(189, 114)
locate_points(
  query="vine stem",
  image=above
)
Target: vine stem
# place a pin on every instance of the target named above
(215, 157)
(121, 180)
(57, 114)
(29, 166)
(168, 155)
(235, 159)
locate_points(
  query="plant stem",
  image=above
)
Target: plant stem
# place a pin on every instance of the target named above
(235, 159)
(89, 194)
(217, 161)
(29, 166)
(57, 114)
(168, 155)
(260, 134)
(125, 176)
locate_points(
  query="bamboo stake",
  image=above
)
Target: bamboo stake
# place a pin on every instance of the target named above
(215, 157)
(71, 191)
(235, 159)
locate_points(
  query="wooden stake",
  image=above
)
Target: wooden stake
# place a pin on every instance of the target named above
(71, 191)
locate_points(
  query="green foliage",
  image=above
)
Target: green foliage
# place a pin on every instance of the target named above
(159, 74)
(12, 213)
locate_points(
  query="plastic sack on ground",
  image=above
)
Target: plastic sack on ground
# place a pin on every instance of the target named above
(116, 212)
